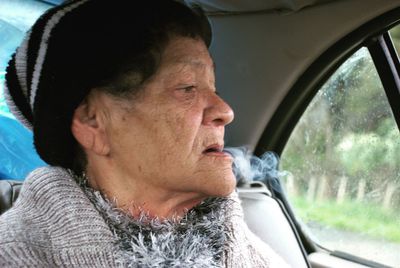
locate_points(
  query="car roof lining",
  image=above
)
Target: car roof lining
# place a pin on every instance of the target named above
(240, 6)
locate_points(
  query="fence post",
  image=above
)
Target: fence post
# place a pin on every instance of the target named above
(341, 193)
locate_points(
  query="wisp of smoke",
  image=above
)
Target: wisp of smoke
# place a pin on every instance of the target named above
(248, 167)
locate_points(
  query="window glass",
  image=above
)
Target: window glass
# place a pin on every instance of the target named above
(342, 162)
(17, 155)
(395, 34)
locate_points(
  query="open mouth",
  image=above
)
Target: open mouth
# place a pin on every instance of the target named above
(214, 149)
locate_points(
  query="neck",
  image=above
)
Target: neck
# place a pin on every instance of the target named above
(136, 197)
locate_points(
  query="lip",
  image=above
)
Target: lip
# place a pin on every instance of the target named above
(213, 148)
(216, 150)
(220, 154)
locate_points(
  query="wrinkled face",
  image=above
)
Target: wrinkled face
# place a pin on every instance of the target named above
(172, 135)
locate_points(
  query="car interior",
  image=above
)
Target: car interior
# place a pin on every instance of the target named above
(272, 57)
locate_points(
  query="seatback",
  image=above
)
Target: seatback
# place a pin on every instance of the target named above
(9, 191)
(267, 218)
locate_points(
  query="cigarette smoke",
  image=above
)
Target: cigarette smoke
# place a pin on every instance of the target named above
(248, 167)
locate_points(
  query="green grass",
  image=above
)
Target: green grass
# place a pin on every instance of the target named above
(365, 218)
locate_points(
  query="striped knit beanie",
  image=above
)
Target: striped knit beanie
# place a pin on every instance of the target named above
(70, 50)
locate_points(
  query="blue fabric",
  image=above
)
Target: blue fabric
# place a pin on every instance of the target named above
(17, 155)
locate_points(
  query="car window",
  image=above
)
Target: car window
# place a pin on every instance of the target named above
(342, 164)
(17, 155)
(395, 34)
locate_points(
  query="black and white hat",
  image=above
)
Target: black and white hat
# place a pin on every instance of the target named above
(44, 83)
(67, 52)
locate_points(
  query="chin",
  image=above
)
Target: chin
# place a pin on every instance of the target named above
(226, 186)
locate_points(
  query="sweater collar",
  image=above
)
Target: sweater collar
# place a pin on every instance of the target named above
(197, 240)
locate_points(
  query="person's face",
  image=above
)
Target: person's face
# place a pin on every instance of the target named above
(172, 135)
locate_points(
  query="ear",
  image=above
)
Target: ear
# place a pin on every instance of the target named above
(88, 128)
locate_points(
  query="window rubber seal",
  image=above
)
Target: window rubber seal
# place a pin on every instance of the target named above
(386, 60)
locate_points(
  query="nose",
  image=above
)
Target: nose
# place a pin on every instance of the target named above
(217, 112)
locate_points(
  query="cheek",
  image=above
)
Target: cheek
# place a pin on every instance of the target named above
(131, 134)
(183, 125)
(165, 137)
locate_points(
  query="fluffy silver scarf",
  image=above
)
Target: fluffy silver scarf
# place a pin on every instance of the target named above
(197, 240)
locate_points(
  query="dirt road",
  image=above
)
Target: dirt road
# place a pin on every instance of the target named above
(377, 250)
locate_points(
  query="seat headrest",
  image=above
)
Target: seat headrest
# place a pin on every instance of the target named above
(9, 191)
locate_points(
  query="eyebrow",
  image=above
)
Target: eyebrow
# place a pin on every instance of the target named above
(196, 63)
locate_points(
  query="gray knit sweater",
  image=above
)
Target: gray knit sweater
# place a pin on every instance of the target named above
(54, 224)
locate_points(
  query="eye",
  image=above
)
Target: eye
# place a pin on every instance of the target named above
(185, 92)
(189, 89)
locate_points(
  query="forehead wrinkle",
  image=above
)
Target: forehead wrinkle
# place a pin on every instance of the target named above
(185, 66)
(195, 63)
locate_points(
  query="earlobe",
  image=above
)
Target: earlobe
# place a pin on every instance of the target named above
(88, 129)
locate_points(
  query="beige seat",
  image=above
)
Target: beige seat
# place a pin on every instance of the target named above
(267, 218)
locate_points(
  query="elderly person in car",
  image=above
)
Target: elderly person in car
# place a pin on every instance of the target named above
(121, 99)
